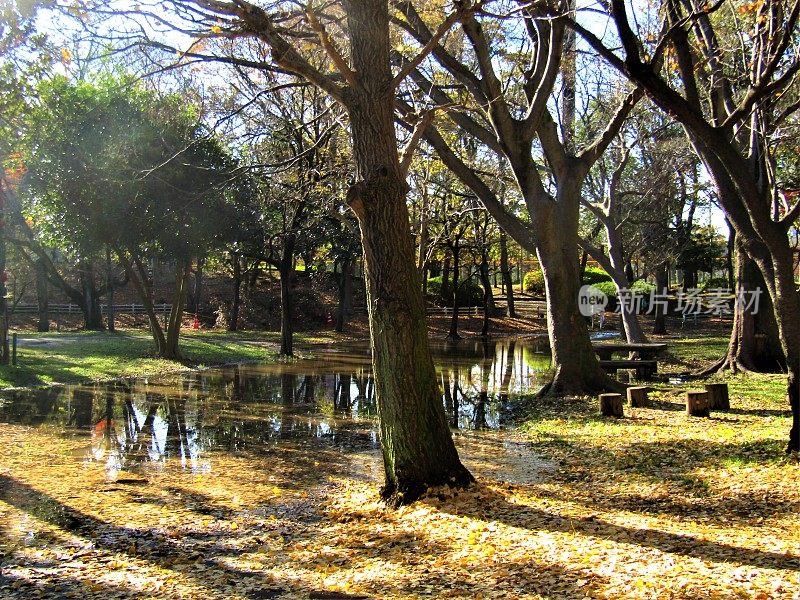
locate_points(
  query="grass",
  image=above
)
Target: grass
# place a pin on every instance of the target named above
(78, 356)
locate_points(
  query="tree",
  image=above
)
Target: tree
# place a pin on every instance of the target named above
(24, 57)
(732, 109)
(418, 449)
(509, 113)
(110, 165)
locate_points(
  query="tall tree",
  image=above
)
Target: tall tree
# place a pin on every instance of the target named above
(112, 165)
(511, 111)
(732, 105)
(418, 449)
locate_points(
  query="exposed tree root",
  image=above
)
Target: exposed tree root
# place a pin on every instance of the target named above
(405, 493)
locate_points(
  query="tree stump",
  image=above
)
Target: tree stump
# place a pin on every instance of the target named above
(718, 396)
(697, 403)
(611, 405)
(637, 397)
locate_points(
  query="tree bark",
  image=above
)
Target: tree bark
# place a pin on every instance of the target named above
(286, 270)
(42, 296)
(233, 315)
(183, 268)
(754, 344)
(138, 275)
(577, 370)
(418, 449)
(505, 269)
(90, 307)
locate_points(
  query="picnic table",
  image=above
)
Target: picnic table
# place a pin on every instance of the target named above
(642, 357)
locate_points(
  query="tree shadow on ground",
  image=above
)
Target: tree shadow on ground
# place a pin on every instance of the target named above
(675, 463)
(211, 551)
(493, 506)
(151, 546)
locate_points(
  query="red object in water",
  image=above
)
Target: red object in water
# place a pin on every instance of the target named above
(196, 323)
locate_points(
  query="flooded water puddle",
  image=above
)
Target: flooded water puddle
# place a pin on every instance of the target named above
(324, 404)
(243, 482)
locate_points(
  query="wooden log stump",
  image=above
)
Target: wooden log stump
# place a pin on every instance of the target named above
(697, 403)
(611, 405)
(637, 396)
(718, 398)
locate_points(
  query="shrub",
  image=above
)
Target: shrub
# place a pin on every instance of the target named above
(533, 282)
(594, 275)
(470, 293)
(607, 287)
(715, 283)
(642, 287)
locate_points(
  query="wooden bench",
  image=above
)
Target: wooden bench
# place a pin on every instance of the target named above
(645, 369)
(605, 350)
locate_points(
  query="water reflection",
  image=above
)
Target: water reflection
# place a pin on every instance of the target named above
(326, 402)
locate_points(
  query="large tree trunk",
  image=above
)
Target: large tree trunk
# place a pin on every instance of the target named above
(418, 449)
(42, 295)
(505, 269)
(754, 343)
(577, 370)
(786, 301)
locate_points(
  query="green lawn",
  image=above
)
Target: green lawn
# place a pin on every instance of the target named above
(44, 358)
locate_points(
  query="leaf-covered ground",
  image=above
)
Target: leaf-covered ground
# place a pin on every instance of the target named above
(655, 505)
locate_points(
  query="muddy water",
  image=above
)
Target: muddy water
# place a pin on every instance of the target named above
(322, 403)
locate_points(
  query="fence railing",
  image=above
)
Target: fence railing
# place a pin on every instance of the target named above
(74, 309)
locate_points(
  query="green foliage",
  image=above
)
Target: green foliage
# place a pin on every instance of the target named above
(470, 293)
(719, 283)
(594, 275)
(110, 163)
(607, 287)
(533, 282)
(643, 287)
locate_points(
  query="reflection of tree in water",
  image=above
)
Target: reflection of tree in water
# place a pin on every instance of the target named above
(251, 408)
(32, 407)
(478, 377)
